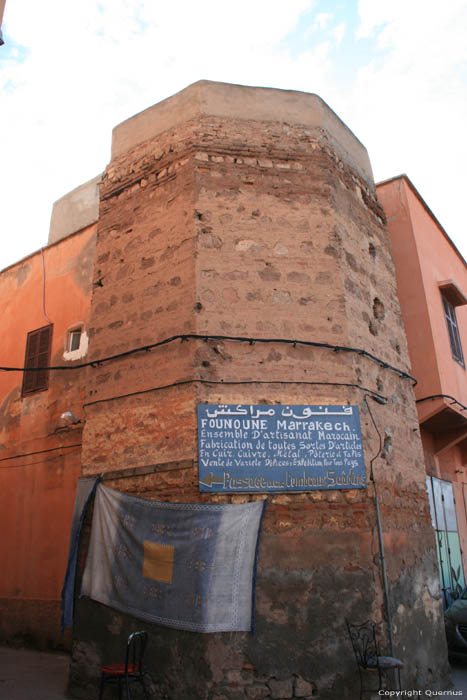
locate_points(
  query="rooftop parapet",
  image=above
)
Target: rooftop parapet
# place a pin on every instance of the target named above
(76, 210)
(223, 100)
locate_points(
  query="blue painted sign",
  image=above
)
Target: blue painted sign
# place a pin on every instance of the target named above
(260, 448)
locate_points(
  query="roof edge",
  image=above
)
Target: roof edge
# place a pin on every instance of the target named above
(410, 184)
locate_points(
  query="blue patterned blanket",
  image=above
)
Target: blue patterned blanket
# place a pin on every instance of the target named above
(185, 565)
(84, 494)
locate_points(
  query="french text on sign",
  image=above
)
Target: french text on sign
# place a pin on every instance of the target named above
(260, 448)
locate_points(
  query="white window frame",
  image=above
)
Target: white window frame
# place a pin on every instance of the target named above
(82, 349)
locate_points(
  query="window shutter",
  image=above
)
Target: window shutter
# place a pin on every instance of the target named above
(42, 377)
(453, 330)
(31, 352)
(37, 355)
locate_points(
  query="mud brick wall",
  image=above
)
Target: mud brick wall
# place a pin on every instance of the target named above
(249, 212)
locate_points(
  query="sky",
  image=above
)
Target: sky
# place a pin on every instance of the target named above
(395, 71)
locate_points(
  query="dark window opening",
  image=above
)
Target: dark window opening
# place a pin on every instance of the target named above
(453, 330)
(37, 354)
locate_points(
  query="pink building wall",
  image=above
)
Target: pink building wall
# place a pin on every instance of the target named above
(426, 262)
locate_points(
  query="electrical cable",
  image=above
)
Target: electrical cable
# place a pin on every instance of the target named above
(380, 531)
(40, 452)
(443, 396)
(43, 287)
(380, 449)
(206, 337)
(377, 397)
(39, 461)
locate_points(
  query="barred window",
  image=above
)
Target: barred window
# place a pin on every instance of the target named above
(453, 330)
(37, 354)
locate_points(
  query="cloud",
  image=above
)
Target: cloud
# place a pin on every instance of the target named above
(75, 72)
(90, 65)
(339, 32)
(322, 20)
(410, 101)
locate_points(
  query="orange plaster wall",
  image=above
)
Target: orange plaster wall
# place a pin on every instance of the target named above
(38, 523)
(40, 456)
(439, 261)
(393, 197)
(424, 257)
(68, 272)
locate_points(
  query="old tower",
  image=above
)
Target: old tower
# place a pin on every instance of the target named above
(251, 213)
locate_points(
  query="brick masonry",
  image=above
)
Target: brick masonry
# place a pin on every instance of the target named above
(226, 225)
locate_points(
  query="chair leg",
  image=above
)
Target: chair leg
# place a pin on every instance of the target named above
(361, 682)
(127, 688)
(382, 679)
(144, 688)
(119, 689)
(101, 688)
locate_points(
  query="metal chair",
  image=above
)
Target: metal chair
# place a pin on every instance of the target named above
(129, 672)
(366, 650)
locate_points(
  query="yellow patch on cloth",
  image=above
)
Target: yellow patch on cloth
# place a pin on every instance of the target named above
(158, 561)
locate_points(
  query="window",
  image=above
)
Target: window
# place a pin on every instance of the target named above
(37, 354)
(453, 330)
(76, 342)
(74, 339)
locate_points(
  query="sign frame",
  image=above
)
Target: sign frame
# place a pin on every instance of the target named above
(262, 448)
